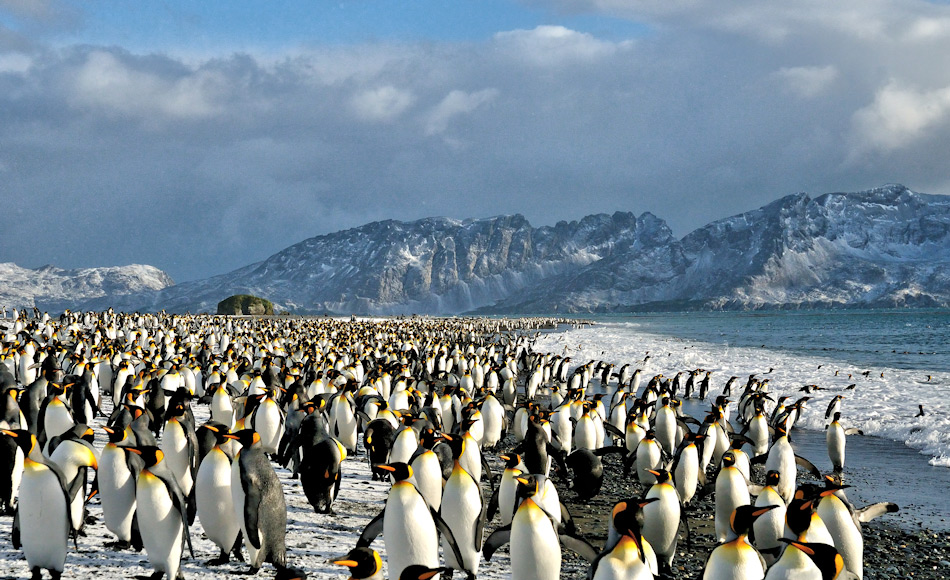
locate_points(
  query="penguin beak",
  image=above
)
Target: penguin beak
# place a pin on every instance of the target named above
(764, 509)
(656, 473)
(388, 468)
(347, 563)
(798, 545)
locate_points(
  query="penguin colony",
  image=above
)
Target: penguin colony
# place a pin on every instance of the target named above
(103, 405)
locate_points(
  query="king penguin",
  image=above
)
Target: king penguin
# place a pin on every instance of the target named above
(627, 555)
(117, 472)
(161, 510)
(662, 518)
(735, 558)
(214, 499)
(258, 502)
(463, 512)
(408, 525)
(535, 542)
(41, 524)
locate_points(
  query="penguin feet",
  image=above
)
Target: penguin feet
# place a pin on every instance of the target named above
(37, 573)
(249, 572)
(118, 545)
(222, 559)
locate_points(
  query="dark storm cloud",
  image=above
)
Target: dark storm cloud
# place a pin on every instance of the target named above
(200, 165)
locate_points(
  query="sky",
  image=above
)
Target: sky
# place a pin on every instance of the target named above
(200, 137)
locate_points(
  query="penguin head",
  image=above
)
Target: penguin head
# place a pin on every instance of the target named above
(662, 475)
(246, 437)
(825, 557)
(511, 460)
(363, 562)
(527, 486)
(728, 459)
(742, 518)
(219, 431)
(772, 478)
(150, 454)
(627, 516)
(798, 515)
(456, 444)
(23, 438)
(837, 417)
(116, 436)
(400, 471)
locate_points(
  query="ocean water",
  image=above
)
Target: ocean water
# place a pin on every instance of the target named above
(902, 339)
(896, 360)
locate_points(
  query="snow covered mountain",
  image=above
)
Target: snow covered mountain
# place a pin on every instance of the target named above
(884, 247)
(53, 289)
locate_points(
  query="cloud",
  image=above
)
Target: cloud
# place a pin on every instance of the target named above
(807, 81)
(454, 104)
(106, 81)
(199, 164)
(381, 103)
(900, 115)
(555, 45)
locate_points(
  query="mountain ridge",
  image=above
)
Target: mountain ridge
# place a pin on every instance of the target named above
(887, 246)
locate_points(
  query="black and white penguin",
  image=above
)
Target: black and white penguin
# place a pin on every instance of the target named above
(735, 557)
(534, 538)
(409, 525)
(117, 472)
(627, 555)
(462, 510)
(214, 500)
(41, 524)
(161, 511)
(258, 502)
(662, 518)
(320, 469)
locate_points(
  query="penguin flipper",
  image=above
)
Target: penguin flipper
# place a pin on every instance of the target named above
(15, 531)
(372, 530)
(252, 503)
(447, 535)
(853, 431)
(872, 511)
(497, 539)
(480, 520)
(492, 503)
(567, 521)
(613, 430)
(579, 546)
(486, 469)
(808, 466)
